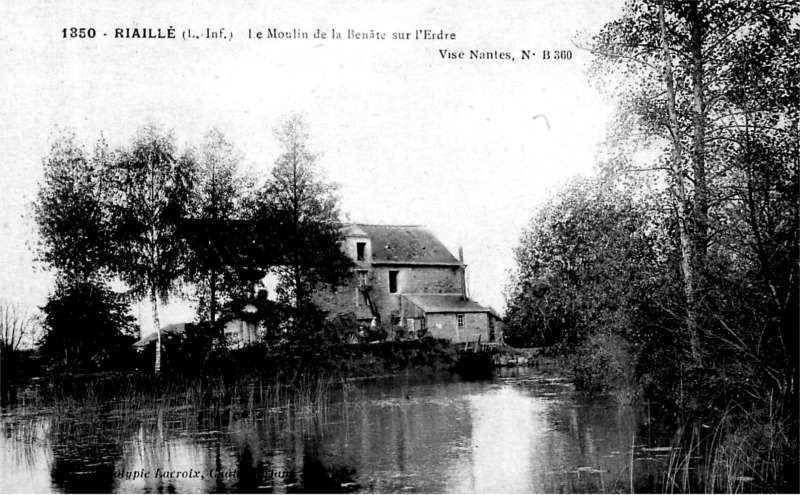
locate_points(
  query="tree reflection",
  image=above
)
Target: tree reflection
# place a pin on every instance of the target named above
(319, 478)
(84, 467)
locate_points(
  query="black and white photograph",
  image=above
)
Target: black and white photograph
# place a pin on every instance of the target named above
(346, 246)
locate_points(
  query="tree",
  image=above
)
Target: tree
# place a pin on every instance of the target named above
(20, 328)
(75, 228)
(677, 69)
(18, 325)
(88, 327)
(591, 262)
(216, 205)
(595, 275)
(302, 210)
(153, 185)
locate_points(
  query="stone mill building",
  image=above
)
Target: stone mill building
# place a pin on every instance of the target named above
(405, 276)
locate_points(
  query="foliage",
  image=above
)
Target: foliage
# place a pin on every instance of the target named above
(116, 213)
(155, 218)
(88, 328)
(216, 205)
(75, 230)
(218, 183)
(606, 363)
(303, 211)
(187, 354)
(703, 159)
(592, 260)
(709, 90)
(721, 112)
(379, 333)
(17, 367)
(153, 185)
(260, 312)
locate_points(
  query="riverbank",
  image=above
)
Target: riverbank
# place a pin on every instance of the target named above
(507, 356)
(291, 367)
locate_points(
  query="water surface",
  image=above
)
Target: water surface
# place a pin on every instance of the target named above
(523, 431)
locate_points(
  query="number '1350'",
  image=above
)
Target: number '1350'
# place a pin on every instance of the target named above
(78, 33)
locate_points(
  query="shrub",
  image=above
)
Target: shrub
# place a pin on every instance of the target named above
(606, 363)
(87, 328)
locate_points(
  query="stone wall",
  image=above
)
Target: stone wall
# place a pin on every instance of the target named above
(343, 299)
(410, 280)
(416, 280)
(444, 326)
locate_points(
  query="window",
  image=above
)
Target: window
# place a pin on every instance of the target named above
(361, 248)
(362, 277)
(460, 320)
(393, 281)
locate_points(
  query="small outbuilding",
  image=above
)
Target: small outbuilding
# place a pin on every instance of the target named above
(446, 316)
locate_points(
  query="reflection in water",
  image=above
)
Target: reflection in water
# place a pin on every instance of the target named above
(25, 463)
(520, 432)
(83, 468)
(506, 443)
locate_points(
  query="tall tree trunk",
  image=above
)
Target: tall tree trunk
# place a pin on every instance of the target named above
(154, 302)
(700, 210)
(299, 293)
(213, 301)
(684, 210)
(298, 290)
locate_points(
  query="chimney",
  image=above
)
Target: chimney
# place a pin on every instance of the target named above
(463, 271)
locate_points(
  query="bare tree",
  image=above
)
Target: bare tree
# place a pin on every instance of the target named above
(18, 325)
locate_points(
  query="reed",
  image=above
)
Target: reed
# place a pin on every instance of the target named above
(69, 413)
(744, 451)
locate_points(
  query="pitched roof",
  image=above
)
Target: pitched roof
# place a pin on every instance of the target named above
(444, 303)
(405, 244)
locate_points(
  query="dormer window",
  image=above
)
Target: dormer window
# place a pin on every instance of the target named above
(361, 248)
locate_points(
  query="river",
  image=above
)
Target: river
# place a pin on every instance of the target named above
(526, 430)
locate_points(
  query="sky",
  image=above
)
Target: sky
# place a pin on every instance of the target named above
(410, 137)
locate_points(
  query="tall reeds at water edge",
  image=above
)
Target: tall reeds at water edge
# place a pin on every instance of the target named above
(91, 424)
(77, 409)
(300, 376)
(745, 451)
